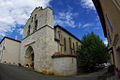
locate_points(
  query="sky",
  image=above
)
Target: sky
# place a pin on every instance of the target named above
(77, 16)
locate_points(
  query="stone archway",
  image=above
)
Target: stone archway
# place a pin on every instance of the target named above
(29, 57)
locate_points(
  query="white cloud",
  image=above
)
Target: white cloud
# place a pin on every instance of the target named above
(20, 31)
(79, 25)
(66, 18)
(106, 42)
(14, 12)
(87, 25)
(87, 4)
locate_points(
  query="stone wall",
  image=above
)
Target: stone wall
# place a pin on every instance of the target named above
(41, 40)
(44, 47)
(64, 65)
(44, 17)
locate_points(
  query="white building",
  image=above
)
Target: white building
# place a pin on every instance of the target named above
(9, 50)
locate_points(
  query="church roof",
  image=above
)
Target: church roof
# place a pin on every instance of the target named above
(66, 31)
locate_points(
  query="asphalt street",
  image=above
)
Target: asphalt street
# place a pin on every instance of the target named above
(11, 72)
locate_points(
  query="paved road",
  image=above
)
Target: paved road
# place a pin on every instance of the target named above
(10, 72)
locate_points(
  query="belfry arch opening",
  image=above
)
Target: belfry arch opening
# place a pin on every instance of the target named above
(29, 57)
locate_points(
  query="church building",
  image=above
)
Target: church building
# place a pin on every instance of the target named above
(47, 48)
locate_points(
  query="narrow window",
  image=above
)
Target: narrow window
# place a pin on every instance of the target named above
(32, 19)
(70, 45)
(61, 49)
(28, 30)
(64, 44)
(61, 39)
(59, 35)
(73, 48)
(36, 24)
(35, 16)
(76, 45)
(79, 46)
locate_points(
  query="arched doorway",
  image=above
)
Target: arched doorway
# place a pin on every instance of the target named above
(29, 57)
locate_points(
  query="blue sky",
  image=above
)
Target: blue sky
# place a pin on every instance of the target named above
(77, 16)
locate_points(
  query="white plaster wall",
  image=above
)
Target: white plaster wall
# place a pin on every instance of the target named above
(65, 66)
(11, 52)
(1, 49)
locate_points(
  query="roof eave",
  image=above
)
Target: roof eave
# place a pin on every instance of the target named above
(10, 39)
(101, 15)
(67, 32)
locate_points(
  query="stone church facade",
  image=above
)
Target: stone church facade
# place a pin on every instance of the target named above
(47, 48)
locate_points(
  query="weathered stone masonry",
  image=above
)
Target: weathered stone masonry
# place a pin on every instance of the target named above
(40, 34)
(47, 48)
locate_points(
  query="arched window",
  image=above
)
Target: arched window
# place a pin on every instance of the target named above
(36, 24)
(28, 33)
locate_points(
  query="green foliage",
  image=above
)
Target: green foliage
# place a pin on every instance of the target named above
(92, 52)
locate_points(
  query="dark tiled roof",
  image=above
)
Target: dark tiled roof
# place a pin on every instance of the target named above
(101, 15)
(10, 39)
(67, 32)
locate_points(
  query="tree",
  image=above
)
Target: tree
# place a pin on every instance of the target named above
(92, 52)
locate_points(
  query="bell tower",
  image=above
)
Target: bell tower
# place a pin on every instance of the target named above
(39, 34)
(39, 18)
